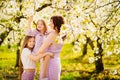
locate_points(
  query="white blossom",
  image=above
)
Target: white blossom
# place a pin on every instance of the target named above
(91, 59)
(115, 72)
(109, 53)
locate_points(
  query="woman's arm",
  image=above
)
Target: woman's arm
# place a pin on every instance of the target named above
(47, 42)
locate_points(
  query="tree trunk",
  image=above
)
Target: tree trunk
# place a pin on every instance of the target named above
(85, 47)
(4, 35)
(18, 54)
(90, 42)
(20, 68)
(98, 63)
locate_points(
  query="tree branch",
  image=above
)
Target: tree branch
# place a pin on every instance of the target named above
(4, 35)
(92, 21)
(106, 4)
(116, 23)
(2, 25)
(17, 19)
(43, 6)
(2, 5)
(89, 6)
(111, 15)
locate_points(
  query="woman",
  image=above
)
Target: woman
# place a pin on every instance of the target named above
(49, 45)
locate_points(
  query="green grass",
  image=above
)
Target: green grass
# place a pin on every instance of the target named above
(7, 57)
(74, 66)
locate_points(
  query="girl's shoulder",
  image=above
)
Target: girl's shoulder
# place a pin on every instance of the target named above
(25, 50)
(32, 32)
(35, 32)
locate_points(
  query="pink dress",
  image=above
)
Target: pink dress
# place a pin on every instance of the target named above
(38, 39)
(54, 68)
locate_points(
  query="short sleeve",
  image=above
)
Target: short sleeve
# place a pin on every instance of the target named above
(26, 52)
(31, 32)
(35, 32)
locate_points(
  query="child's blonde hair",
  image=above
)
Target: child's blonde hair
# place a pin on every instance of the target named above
(43, 24)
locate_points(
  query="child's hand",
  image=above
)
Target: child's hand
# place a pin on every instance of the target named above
(31, 18)
(37, 61)
(51, 54)
(34, 58)
(37, 53)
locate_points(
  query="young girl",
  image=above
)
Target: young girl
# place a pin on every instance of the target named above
(29, 64)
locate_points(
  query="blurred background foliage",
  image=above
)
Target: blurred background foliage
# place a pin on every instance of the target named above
(91, 50)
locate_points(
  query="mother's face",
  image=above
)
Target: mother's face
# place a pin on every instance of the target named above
(51, 23)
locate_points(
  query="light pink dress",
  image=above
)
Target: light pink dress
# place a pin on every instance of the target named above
(54, 68)
(38, 39)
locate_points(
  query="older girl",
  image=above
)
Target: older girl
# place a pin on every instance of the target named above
(28, 63)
